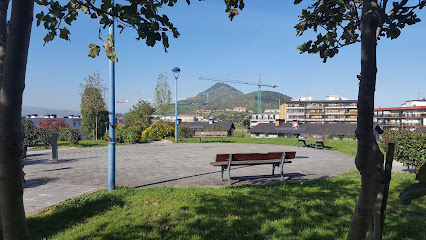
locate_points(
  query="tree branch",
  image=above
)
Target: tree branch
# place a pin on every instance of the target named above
(384, 16)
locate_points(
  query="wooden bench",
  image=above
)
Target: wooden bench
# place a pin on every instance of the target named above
(211, 134)
(318, 142)
(225, 161)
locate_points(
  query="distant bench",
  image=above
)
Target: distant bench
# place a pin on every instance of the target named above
(225, 161)
(318, 142)
(211, 134)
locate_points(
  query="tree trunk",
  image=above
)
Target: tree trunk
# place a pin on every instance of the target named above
(11, 132)
(376, 226)
(3, 38)
(96, 126)
(364, 161)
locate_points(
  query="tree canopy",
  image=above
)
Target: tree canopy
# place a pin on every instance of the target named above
(163, 95)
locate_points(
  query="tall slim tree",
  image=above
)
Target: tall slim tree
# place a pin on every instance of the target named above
(15, 30)
(93, 106)
(163, 95)
(344, 22)
(139, 116)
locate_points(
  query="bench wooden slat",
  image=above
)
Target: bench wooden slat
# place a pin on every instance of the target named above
(205, 134)
(274, 158)
(254, 156)
(252, 162)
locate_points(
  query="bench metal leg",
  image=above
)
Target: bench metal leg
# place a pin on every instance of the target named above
(273, 170)
(229, 168)
(223, 169)
(282, 167)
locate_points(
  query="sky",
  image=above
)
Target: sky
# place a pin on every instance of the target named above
(260, 40)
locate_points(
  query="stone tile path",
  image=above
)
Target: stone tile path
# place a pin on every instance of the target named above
(84, 170)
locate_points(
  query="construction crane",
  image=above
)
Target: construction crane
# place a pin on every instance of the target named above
(127, 101)
(259, 88)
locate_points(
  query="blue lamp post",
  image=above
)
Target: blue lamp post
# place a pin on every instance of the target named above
(111, 143)
(176, 72)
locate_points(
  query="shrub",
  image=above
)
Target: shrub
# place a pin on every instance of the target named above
(240, 134)
(30, 132)
(119, 137)
(131, 135)
(69, 134)
(410, 146)
(44, 136)
(157, 131)
(184, 132)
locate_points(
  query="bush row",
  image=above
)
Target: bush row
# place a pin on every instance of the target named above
(155, 132)
(410, 146)
(42, 137)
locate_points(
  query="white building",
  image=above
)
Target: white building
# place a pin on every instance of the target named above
(268, 116)
(74, 121)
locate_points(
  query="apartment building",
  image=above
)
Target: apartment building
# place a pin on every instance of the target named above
(268, 116)
(333, 109)
(411, 115)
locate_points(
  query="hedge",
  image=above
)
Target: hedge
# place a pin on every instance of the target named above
(410, 146)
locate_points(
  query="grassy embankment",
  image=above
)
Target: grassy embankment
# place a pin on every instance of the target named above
(343, 146)
(317, 209)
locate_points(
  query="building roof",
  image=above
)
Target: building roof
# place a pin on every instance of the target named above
(400, 108)
(205, 126)
(306, 128)
(324, 101)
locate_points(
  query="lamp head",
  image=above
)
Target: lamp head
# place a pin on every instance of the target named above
(176, 72)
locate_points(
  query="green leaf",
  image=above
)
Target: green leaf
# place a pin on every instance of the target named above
(109, 48)
(64, 33)
(94, 50)
(165, 40)
(39, 17)
(111, 38)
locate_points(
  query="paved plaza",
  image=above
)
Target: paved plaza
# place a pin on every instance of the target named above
(85, 170)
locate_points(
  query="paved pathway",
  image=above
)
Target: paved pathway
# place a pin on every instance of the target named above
(85, 170)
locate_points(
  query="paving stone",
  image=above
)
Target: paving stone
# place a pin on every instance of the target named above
(85, 170)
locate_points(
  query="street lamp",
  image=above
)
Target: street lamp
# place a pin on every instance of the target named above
(176, 72)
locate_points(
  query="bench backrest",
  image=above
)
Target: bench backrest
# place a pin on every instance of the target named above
(211, 133)
(254, 156)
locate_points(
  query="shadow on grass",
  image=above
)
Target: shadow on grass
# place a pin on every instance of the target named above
(70, 213)
(317, 209)
(288, 210)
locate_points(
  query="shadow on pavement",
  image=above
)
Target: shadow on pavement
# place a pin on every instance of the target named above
(37, 182)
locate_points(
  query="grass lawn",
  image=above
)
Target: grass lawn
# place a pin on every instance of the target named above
(317, 209)
(84, 143)
(343, 146)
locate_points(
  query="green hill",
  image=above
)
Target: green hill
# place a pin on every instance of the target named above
(221, 96)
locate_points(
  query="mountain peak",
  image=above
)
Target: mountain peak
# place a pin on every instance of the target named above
(224, 86)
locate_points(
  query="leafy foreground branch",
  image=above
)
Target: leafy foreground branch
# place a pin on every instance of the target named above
(317, 209)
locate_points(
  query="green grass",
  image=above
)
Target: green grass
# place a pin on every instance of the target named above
(343, 146)
(317, 209)
(84, 143)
